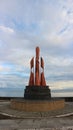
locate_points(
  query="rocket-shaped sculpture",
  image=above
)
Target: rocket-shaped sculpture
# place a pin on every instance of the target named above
(37, 72)
(37, 88)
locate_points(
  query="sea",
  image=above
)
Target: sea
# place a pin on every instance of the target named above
(19, 92)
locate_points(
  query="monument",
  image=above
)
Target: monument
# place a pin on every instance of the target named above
(37, 88)
(37, 95)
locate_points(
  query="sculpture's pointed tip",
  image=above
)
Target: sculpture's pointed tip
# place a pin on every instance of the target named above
(37, 49)
(37, 46)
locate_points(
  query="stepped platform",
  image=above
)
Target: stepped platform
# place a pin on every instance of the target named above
(37, 105)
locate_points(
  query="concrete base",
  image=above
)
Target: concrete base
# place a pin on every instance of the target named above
(37, 106)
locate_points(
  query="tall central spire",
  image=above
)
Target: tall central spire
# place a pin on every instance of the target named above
(37, 73)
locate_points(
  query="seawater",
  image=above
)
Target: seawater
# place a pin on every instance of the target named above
(11, 92)
(19, 92)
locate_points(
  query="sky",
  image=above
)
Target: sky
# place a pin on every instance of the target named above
(25, 24)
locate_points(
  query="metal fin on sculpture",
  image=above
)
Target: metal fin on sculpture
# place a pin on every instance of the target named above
(32, 63)
(42, 62)
(43, 82)
(31, 79)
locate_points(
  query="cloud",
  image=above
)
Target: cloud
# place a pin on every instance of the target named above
(6, 29)
(41, 21)
(1, 68)
(61, 85)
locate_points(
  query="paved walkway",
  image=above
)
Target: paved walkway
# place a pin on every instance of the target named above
(36, 121)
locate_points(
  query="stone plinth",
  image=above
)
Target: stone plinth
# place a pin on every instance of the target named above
(37, 93)
(37, 106)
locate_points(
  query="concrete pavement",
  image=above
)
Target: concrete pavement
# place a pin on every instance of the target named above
(36, 121)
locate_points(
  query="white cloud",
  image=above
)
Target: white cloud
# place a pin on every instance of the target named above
(61, 85)
(1, 68)
(59, 61)
(6, 29)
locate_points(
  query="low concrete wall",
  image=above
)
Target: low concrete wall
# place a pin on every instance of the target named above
(37, 106)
